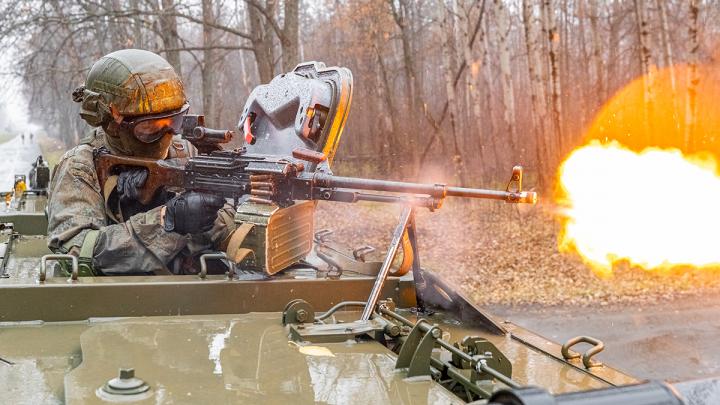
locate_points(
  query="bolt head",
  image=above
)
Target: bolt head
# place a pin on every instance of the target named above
(126, 373)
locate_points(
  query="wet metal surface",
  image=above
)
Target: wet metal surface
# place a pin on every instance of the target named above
(24, 264)
(233, 358)
(40, 354)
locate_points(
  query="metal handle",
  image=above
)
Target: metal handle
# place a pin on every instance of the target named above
(598, 346)
(58, 257)
(220, 256)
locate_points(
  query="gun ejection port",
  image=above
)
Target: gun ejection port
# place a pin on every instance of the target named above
(124, 387)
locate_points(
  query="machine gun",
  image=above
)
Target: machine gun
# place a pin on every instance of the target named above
(281, 181)
(284, 179)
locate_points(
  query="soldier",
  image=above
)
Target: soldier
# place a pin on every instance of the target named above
(136, 103)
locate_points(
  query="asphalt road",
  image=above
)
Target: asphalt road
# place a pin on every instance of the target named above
(16, 157)
(672, 341)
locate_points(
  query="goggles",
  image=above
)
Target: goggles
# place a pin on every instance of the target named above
(149, 129)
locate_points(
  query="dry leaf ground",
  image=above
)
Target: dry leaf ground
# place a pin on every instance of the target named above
(507, 255)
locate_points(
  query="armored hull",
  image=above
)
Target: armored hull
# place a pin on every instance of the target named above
(193, 339)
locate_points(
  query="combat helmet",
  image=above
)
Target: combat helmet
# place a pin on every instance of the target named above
(137, 98)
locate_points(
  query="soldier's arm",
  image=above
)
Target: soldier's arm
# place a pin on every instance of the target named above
(77, 224)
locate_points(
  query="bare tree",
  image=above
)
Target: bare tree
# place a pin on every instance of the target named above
(502, 24)
(693, 79)
(645, 62)
(169, 33)
(208, 67)
(553, 46)
(537, 89)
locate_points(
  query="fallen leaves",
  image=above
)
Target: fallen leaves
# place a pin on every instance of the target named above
(498, 254)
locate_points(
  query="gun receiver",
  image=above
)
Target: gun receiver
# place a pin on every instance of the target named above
(282, 180)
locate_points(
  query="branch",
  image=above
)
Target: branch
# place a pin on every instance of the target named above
(437, 123)
(268, 17)
(206, 48)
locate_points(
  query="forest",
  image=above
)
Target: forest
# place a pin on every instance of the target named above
(459, 90)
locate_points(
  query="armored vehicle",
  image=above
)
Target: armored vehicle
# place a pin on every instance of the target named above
(287, 314)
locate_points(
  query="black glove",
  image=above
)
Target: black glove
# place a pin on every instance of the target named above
(192, 212)
(130, 181)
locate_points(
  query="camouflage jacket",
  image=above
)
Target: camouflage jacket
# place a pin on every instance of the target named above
(76, 206)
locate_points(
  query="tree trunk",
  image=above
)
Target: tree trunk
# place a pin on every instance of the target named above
(666, 45)
(473, 78)
(553, 43)
(692, 143)
(170, 37)
(448, 45)
(392, 145)
(613, 43)
(537, 93)
(208, 66)
(290, 33)
(597, 60)
(400, 15)
(489, 79)
(137, 41)
(644, 42)
(262, 42)
(668, 60)
(502, 26)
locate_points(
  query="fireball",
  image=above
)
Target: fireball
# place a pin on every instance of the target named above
(656, 209)
(644, 188)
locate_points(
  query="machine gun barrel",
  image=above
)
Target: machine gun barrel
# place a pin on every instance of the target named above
(527, 197)
(437, 191)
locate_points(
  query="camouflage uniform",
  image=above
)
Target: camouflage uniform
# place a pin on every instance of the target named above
(137, 244)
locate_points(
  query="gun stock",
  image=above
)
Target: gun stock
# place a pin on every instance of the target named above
(161, 173)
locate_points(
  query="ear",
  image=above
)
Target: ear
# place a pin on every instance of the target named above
(117, 117)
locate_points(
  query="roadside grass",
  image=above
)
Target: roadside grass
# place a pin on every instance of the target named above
(6, 136)
(52, 150)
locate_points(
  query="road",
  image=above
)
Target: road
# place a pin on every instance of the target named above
(16, 157)
(673, 341)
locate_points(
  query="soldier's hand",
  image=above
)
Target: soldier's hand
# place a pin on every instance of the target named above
(130, 181)
(192, 212)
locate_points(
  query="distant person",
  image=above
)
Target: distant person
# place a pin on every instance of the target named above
(22, 136)
(31, 137)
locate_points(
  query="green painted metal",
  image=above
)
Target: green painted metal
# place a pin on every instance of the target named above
(223, 340)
